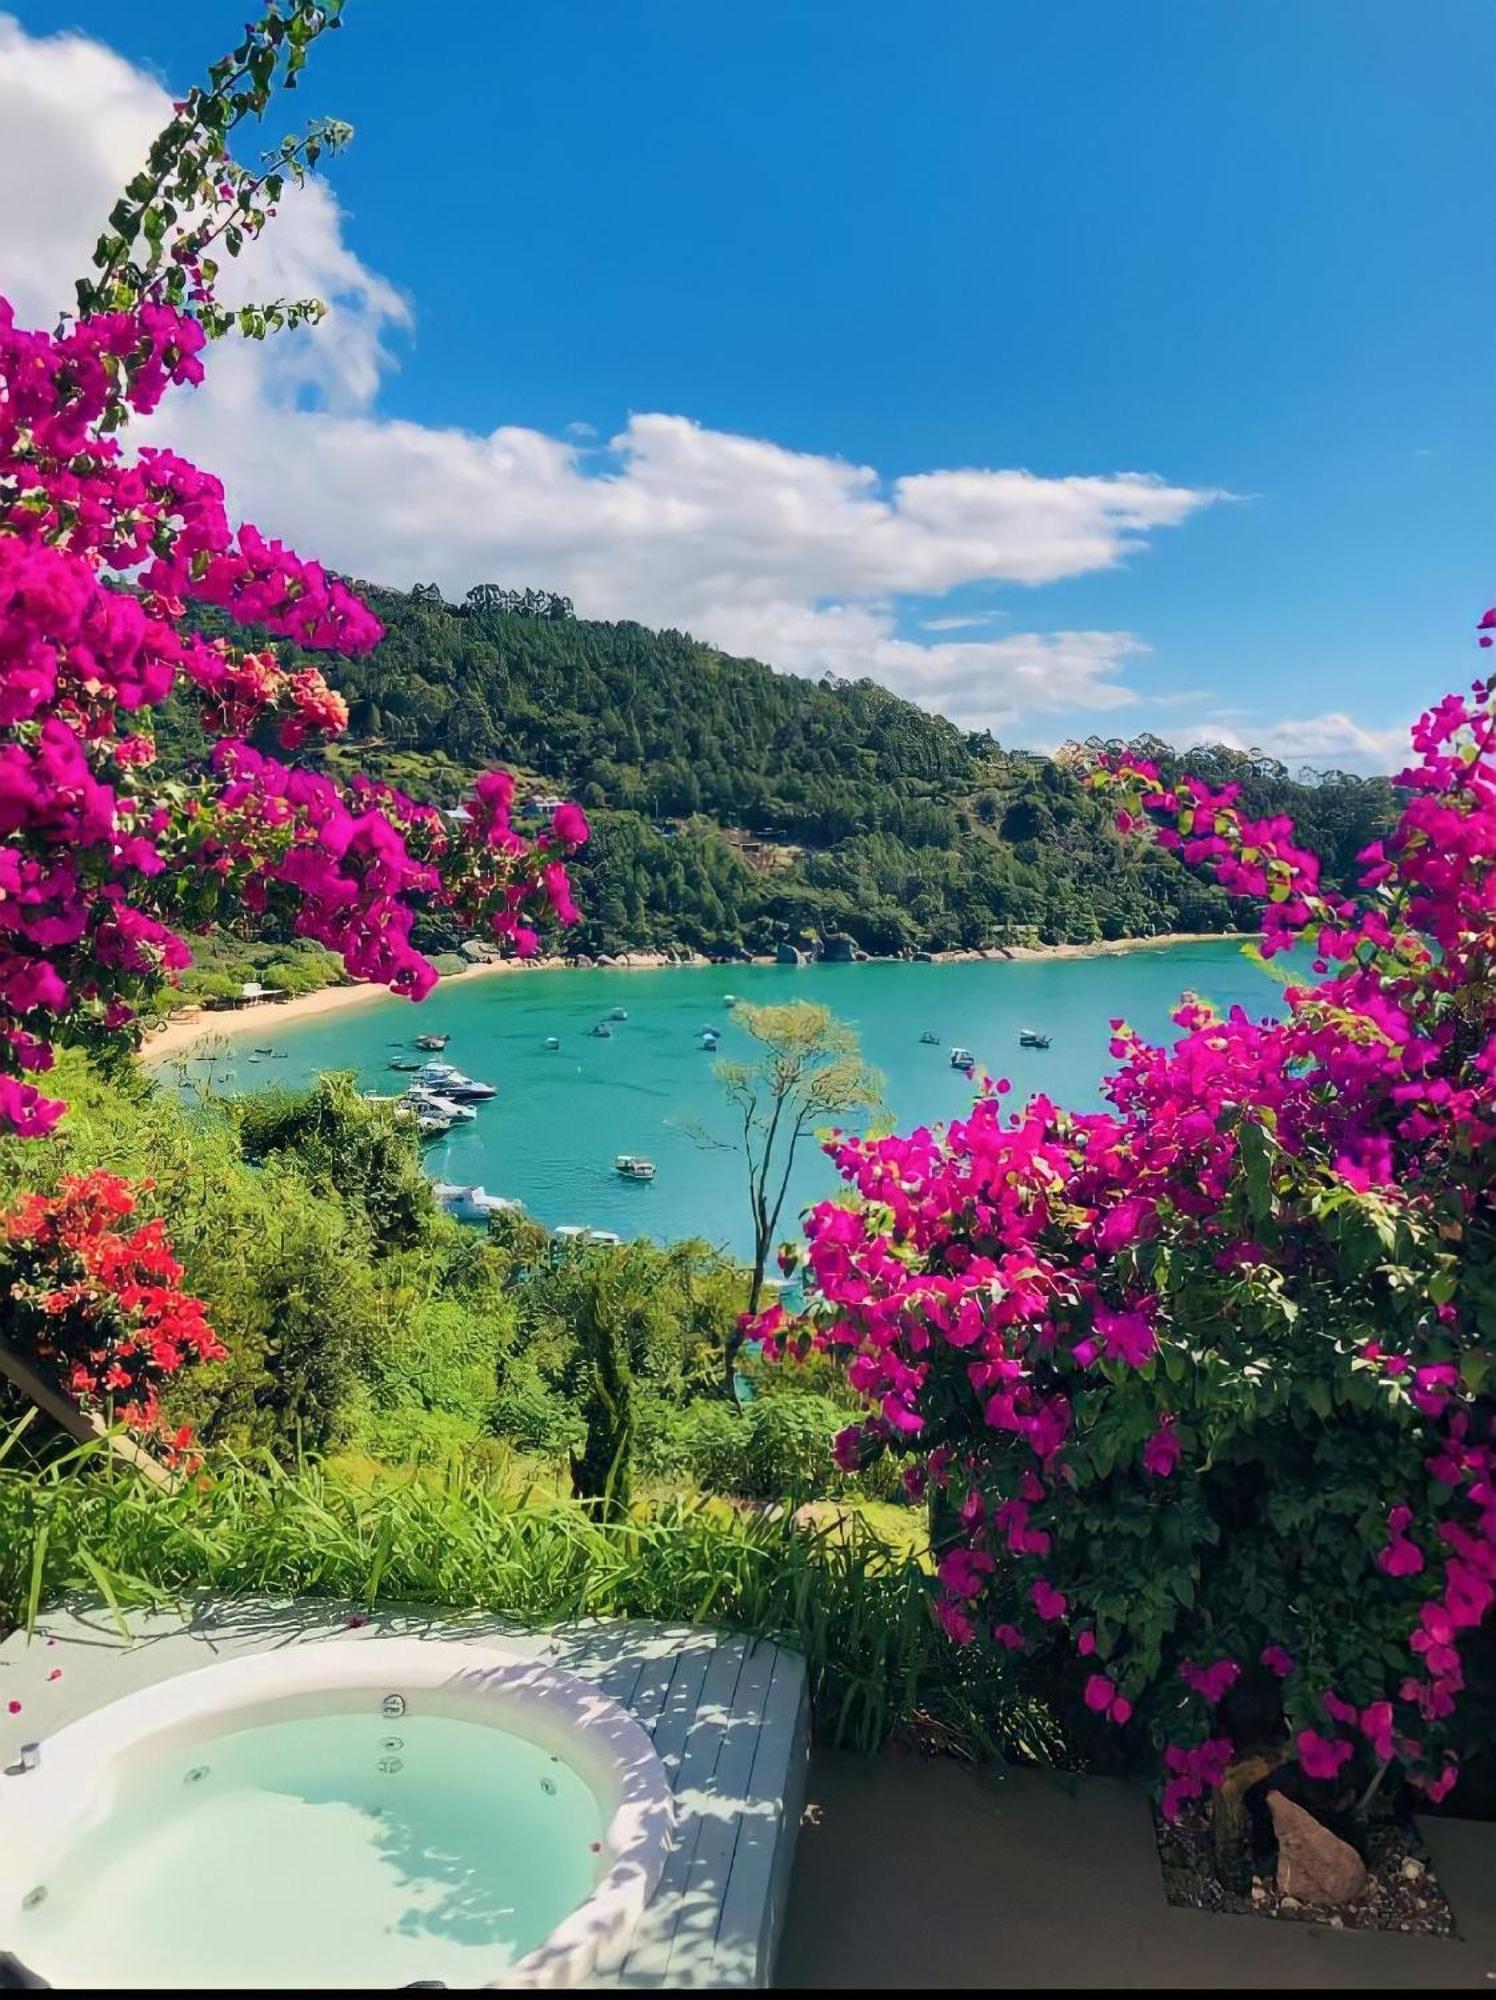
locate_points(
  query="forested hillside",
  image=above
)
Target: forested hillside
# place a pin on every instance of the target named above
(735, 807)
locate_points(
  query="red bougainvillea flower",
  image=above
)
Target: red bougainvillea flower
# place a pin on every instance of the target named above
(97, 1300)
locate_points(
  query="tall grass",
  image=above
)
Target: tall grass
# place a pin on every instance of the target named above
(453, 1538)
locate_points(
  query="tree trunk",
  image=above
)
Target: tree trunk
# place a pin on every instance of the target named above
(733, 1346)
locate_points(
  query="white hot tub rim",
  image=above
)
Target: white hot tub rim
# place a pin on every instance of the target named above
(606, 1746)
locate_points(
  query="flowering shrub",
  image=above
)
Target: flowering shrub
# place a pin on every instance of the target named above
(105, 863)
(1202, 1381)
(97, 1302)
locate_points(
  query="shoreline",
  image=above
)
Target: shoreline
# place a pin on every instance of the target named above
(192, 1025)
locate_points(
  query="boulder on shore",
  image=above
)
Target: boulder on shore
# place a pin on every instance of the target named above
(788, 954)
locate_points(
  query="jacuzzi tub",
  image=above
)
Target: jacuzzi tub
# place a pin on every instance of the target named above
(363, 1813)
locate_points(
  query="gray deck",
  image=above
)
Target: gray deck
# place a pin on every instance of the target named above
(729, 1718)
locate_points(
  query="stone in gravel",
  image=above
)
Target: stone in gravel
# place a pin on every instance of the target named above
(1314, 1865)
(1412, 1869)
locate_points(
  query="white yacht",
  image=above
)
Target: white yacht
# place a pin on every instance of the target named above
(634, 1167)
(449, 1082)
(963, 1059)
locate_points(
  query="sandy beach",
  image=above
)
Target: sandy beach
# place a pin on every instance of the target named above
(190, 1026)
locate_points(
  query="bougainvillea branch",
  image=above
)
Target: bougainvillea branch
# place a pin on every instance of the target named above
(106, 863)
(1203, 1380)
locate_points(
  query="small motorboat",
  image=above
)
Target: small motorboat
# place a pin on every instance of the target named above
(634, 1168)
(930, 1038)
(473, 1203)
(729, 999)
(553, 1041)
(620, 1014)
(576, 1236)
(444, 1107)
(437, 1042)
(602, 1031)
(1030, 1038)
(253, 1059)
(405, 1062)
(708, 1040)
(963, 1059)
(266, 1051)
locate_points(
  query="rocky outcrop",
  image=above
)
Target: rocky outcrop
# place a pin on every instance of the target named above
(788, 954)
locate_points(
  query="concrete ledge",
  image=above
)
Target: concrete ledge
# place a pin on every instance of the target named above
(928, 1876)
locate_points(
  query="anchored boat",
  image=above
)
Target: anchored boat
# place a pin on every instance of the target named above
(1030, 1038)
(576, 1236)
(633, 1167)
(443, 1107)
(473, 1202)
(449, 1082)
(930, 1038)
(437, 1042)
(963, 1059)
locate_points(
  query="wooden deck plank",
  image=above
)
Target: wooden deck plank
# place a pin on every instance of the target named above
(758, 1876)
(699, 1798)
(718, 1829)
(680, 1723)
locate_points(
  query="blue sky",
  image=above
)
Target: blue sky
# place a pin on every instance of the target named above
(1242, 248)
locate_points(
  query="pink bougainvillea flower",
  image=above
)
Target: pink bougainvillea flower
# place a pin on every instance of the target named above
(1321, 1756)
(1161, 1452)
(1211, 1682)
(1047, 1601)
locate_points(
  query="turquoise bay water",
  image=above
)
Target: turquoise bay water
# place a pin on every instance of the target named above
(561, 1117)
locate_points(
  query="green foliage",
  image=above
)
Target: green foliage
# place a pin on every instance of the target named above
(303, 1221)
(671, 1309)
(192, 195)
(459, 1538)
(778, 1448)
(222, 962)
(600, 1470)
(737, 808)
(357, 1150)
(808, 1072)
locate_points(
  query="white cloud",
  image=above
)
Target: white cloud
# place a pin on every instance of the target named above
(798, 558)
(970, 623)
(1334, 739)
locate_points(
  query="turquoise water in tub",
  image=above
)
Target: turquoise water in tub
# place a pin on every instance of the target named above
(337, 1850)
